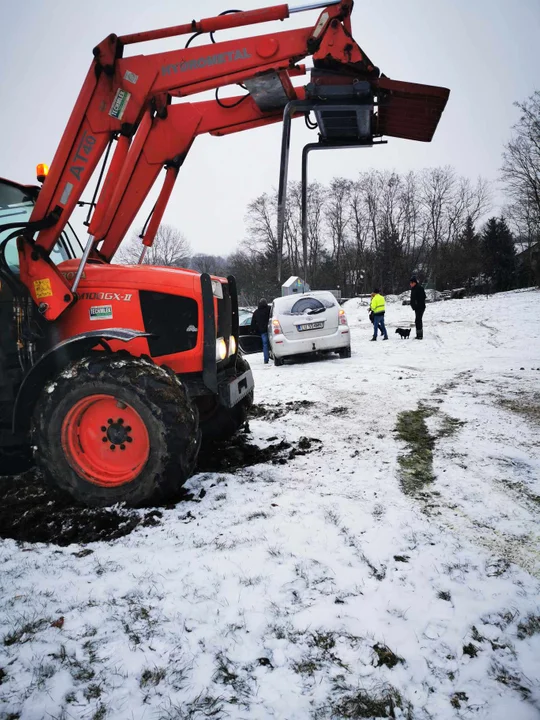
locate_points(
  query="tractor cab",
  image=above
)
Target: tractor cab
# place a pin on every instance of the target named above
(16, 206)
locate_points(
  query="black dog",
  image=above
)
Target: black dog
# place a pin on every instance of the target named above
(404, 334)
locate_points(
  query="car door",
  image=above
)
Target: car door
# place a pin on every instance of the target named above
(248, 341)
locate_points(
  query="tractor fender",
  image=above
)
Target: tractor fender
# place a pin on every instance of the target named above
(54, 360)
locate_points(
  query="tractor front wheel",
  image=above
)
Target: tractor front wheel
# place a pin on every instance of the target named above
(115, 428)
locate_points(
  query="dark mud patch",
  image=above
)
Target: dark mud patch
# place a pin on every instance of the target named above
(239, 453)
(274, 412)
(32, 512)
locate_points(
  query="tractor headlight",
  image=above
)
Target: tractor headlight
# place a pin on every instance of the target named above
(221, 349)
(232, 345)
(217, 289)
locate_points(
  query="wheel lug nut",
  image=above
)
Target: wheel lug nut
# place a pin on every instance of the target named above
(122, 447)
(120, 421)
(110, 421)
(103, 429)
(113, 447)
(128, 428)
(104, 439)
(129, 439)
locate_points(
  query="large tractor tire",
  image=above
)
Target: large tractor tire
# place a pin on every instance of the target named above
(218, 422)
(115, 428)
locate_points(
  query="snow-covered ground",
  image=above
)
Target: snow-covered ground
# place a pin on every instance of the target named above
(382, 574)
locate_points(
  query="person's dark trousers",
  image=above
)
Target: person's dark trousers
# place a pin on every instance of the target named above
(266, 354)
(378, 324)
(418, 323)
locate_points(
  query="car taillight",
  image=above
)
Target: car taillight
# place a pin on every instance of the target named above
(276, 327)
(342, 317)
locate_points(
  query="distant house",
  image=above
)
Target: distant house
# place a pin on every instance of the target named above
(294, 285)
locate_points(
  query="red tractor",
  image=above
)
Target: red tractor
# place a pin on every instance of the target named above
(111, 373)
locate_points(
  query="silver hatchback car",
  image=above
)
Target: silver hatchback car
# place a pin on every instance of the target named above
(309, 323)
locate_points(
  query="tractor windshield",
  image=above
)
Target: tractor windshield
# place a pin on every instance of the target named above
(16, 205)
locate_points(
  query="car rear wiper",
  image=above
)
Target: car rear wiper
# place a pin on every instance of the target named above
(316, 311)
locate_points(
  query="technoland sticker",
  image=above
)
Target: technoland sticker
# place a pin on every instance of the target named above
(120, 101)
(101, 312)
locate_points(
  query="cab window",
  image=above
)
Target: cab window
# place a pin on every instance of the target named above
(16, 205)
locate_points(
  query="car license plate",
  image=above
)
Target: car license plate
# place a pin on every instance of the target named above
(310, 326)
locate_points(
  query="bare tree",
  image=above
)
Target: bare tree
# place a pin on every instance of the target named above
(170, 248)
(338, 218)
(521, 160)
(212, 264)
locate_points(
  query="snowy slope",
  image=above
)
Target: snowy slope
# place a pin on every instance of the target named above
(328, 586)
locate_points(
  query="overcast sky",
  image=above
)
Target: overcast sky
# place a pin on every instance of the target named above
(486, 51)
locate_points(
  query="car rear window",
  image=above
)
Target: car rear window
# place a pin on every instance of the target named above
(304, 305)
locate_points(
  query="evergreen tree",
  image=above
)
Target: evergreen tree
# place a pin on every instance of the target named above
(499, 254)
(469, 254)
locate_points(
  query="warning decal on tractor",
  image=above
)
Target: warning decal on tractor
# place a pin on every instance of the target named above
(43, 288)
(119, 103)
(101, 312)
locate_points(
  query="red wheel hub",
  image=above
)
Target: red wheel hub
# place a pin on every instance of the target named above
(105, 440)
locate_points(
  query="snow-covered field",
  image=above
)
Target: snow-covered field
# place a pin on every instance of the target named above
(392, 571)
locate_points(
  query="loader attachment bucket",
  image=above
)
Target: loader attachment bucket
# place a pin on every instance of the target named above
(409, 110)
(354, 111)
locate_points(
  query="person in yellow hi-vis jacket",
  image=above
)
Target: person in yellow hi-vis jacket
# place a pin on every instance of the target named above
(377, 307)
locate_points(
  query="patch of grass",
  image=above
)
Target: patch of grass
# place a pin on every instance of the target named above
(79, 670)
(476, 635)
(505, 677)
(416, 467)
(457, 699)
(401, 558)
(275, 551)
(528, 406)
(260, 515)
(307, 666)
(470, 650)
(226, 674)
(332, 516)
(152, 677)
(41, 673)
(386, 657)
(251, 581)
(444, 595)
(3, 675)
(449, 426)
(363, 704)
(325, 641)
(93, 691)
(100, 713)
(285, 632)
(24, 630)
(203, 706)
(528, 627)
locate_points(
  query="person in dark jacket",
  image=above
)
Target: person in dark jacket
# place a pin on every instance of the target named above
(259, 324)
(418, 304)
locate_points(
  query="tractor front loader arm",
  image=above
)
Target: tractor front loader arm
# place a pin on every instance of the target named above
(127, 101)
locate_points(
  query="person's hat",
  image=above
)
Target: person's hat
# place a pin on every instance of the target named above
(413, 279)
